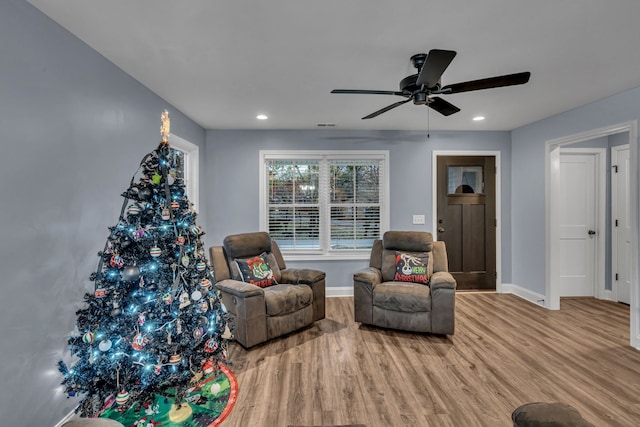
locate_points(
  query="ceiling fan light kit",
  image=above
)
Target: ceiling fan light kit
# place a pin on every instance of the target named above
(420, 87)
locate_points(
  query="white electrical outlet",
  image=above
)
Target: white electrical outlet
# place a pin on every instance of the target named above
(418, 219)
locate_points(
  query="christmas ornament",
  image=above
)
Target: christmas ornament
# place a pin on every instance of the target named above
(142, 317)
(198, 333)
(205, 283)
(184, 300)
(122, 397)
(203, 306)
(116, 261)
(196, 230)
(155, 252)
(196, 295)
(88, 337)
(180, 240)
(185, 260)
(166, 214)
(175, 359)
(116, 309)
(105, 345)
(211, 345)
(170, 179)
(131, 273)
(175, 205)
(167, 298)
(137, 234)
(145, 193)
(100, 292)
(138, 342)
(156, 178)
(133, 209)
(201, 266)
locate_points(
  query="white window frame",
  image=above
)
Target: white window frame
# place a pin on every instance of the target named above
(191, 165)
(325, 253)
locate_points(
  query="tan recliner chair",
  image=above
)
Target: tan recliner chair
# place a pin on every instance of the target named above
(262, 313)
(380, 299)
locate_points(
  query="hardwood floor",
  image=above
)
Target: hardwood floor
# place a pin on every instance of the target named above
(505, 352)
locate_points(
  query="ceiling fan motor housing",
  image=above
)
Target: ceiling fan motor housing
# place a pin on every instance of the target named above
(409, 87)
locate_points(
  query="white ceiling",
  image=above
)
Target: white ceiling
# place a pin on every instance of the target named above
(223, 62)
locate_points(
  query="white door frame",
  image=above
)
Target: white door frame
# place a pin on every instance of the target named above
(600, 201)
(552, 177)
(498, 207)
(614, 211)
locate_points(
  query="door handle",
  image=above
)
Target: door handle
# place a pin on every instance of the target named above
(440, 230)
(591, 232)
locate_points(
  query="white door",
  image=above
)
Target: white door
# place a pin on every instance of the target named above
(621, 217)
(577, 225)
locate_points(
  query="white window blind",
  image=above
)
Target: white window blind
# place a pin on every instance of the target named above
(293, 203)
(331, 203)
(354, 203)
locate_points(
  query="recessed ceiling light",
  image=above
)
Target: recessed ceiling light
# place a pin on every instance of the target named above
(478, 118)
(261, 117)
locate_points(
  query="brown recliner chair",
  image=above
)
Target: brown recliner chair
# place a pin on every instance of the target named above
(382, 298)
(262, 313)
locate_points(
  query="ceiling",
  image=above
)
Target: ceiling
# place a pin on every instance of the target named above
(223, 62)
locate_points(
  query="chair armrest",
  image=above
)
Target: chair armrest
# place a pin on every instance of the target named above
(303, 276)
(443, 303)
(370, 275)
(238, 288)
(312, 278)
(442, 280)
(245, 303)
(363, 283)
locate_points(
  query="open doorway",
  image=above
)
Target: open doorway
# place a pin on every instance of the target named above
(552, 219)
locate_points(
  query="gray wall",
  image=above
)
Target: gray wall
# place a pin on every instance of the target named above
(232, 179)
(74, 129)
(528, 185)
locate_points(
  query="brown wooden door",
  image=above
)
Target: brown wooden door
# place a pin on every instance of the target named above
(467, 220)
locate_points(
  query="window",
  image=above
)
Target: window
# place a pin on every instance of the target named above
(186, 158)
(465, 179)
(324, 203)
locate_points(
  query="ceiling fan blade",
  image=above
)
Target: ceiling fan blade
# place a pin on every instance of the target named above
(500, 81)
(437, 61)
(368, 92)
(385, 109)
(441, 106)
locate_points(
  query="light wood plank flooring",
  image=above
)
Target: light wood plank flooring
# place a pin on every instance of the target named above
(505, 352)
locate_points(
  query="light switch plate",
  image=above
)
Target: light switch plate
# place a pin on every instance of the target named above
(418, 219)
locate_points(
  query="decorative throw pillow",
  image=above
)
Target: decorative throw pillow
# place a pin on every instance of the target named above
(412, 267)
(256, 271)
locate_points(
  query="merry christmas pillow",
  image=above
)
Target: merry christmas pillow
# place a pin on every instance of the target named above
(413, 267)
(256, 271)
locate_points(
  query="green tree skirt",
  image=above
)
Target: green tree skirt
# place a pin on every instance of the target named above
(207, 405)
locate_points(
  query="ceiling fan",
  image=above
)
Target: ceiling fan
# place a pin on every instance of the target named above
(420, 87)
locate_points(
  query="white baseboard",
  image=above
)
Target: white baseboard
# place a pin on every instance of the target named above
(339, 291)
(534, 297)
(606, 294)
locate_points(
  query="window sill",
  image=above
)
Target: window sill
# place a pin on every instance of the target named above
(326, 257)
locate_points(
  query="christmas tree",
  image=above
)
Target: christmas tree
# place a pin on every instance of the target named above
(155, 324)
